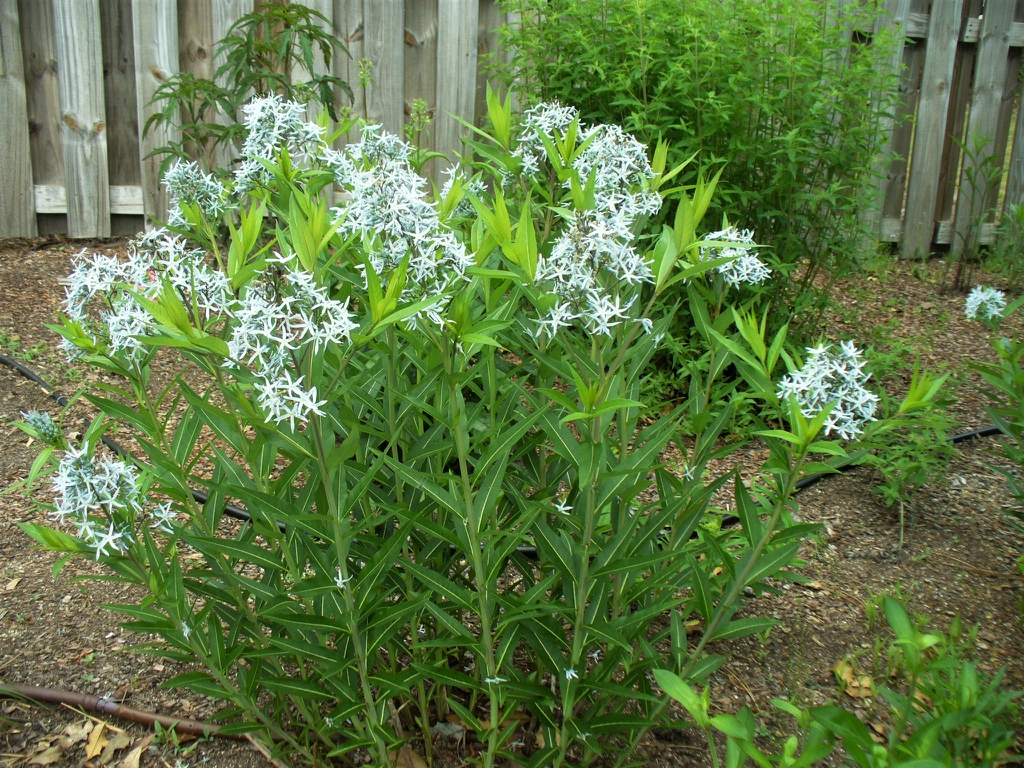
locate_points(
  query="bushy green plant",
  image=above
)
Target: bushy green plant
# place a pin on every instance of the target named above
(411, 397)
(262, 53)
(947, 715)
(1004, 388)
(772, 94)
(1006, 255)
(910, 446)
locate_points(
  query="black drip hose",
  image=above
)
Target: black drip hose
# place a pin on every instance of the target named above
(238, 513)
(229, 509)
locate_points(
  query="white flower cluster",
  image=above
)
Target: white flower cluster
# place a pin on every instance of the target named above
(43, 425)
(187, 184)
(544, 120)
(153, 258)
(92, 492)
(985, 303)
(746, 268)
(271, 325)
(274, 124)
(464, 208)
(836, 378)
(594, 255)
(387, 204)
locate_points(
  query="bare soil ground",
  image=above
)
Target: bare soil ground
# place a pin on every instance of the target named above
(959, 556)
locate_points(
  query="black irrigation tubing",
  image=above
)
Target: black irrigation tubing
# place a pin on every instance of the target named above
(238, 513)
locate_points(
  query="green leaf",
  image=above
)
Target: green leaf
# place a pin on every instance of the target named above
(678, 689)
(743, 627)
(300, 689)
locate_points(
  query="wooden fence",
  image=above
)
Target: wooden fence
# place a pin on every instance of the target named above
(76, 78)
(961, 62)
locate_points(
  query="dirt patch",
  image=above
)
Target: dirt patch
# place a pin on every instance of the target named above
(959, 555)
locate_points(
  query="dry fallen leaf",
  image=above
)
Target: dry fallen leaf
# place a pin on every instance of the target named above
(12, 584)
(97, 741)
(406, 758)
(75, 733)
(855, 686)
(117, 742)
(131, 760)
(48, 757)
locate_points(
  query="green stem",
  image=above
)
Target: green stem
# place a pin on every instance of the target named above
(479, 567)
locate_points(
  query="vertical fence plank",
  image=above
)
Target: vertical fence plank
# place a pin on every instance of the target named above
(421, 65)
(892, 21)
(121, 105)
(1007, 106)
(488, 55)
(956, 116)
(457, 28)
(119, 92)
(384, 45)
(195, 37)
(348, 27)
(83, 115)
(17, 198)
(326, 7)
(986, 99)
(155, 34)
(929, 139)
(39, 52)
(225, 14)
(1015, 172)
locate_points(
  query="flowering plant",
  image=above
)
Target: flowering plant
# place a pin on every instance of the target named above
(430, 410)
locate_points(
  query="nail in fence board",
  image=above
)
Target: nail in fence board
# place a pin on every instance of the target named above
(457, 29)
(384, 46)
(17, 208)
(155, 34)
(929, 139)
(986, 98)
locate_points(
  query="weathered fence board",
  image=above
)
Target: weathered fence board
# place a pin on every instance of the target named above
(17, 209)
(929, 137)
(225, 14)
(384, 46)
(155, 32)
(39, 47)
(348, 27)
(989, 79)
(457, 31)
(83, 117)
(893, 21)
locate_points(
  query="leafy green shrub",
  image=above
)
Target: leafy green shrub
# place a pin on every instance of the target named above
(910, 447)
(409, 396)
(262, 53)
(1004, 388)
(948, 714)
(1006, 255)
(770, 91)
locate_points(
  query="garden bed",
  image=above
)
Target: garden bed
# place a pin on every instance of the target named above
(959, 556)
